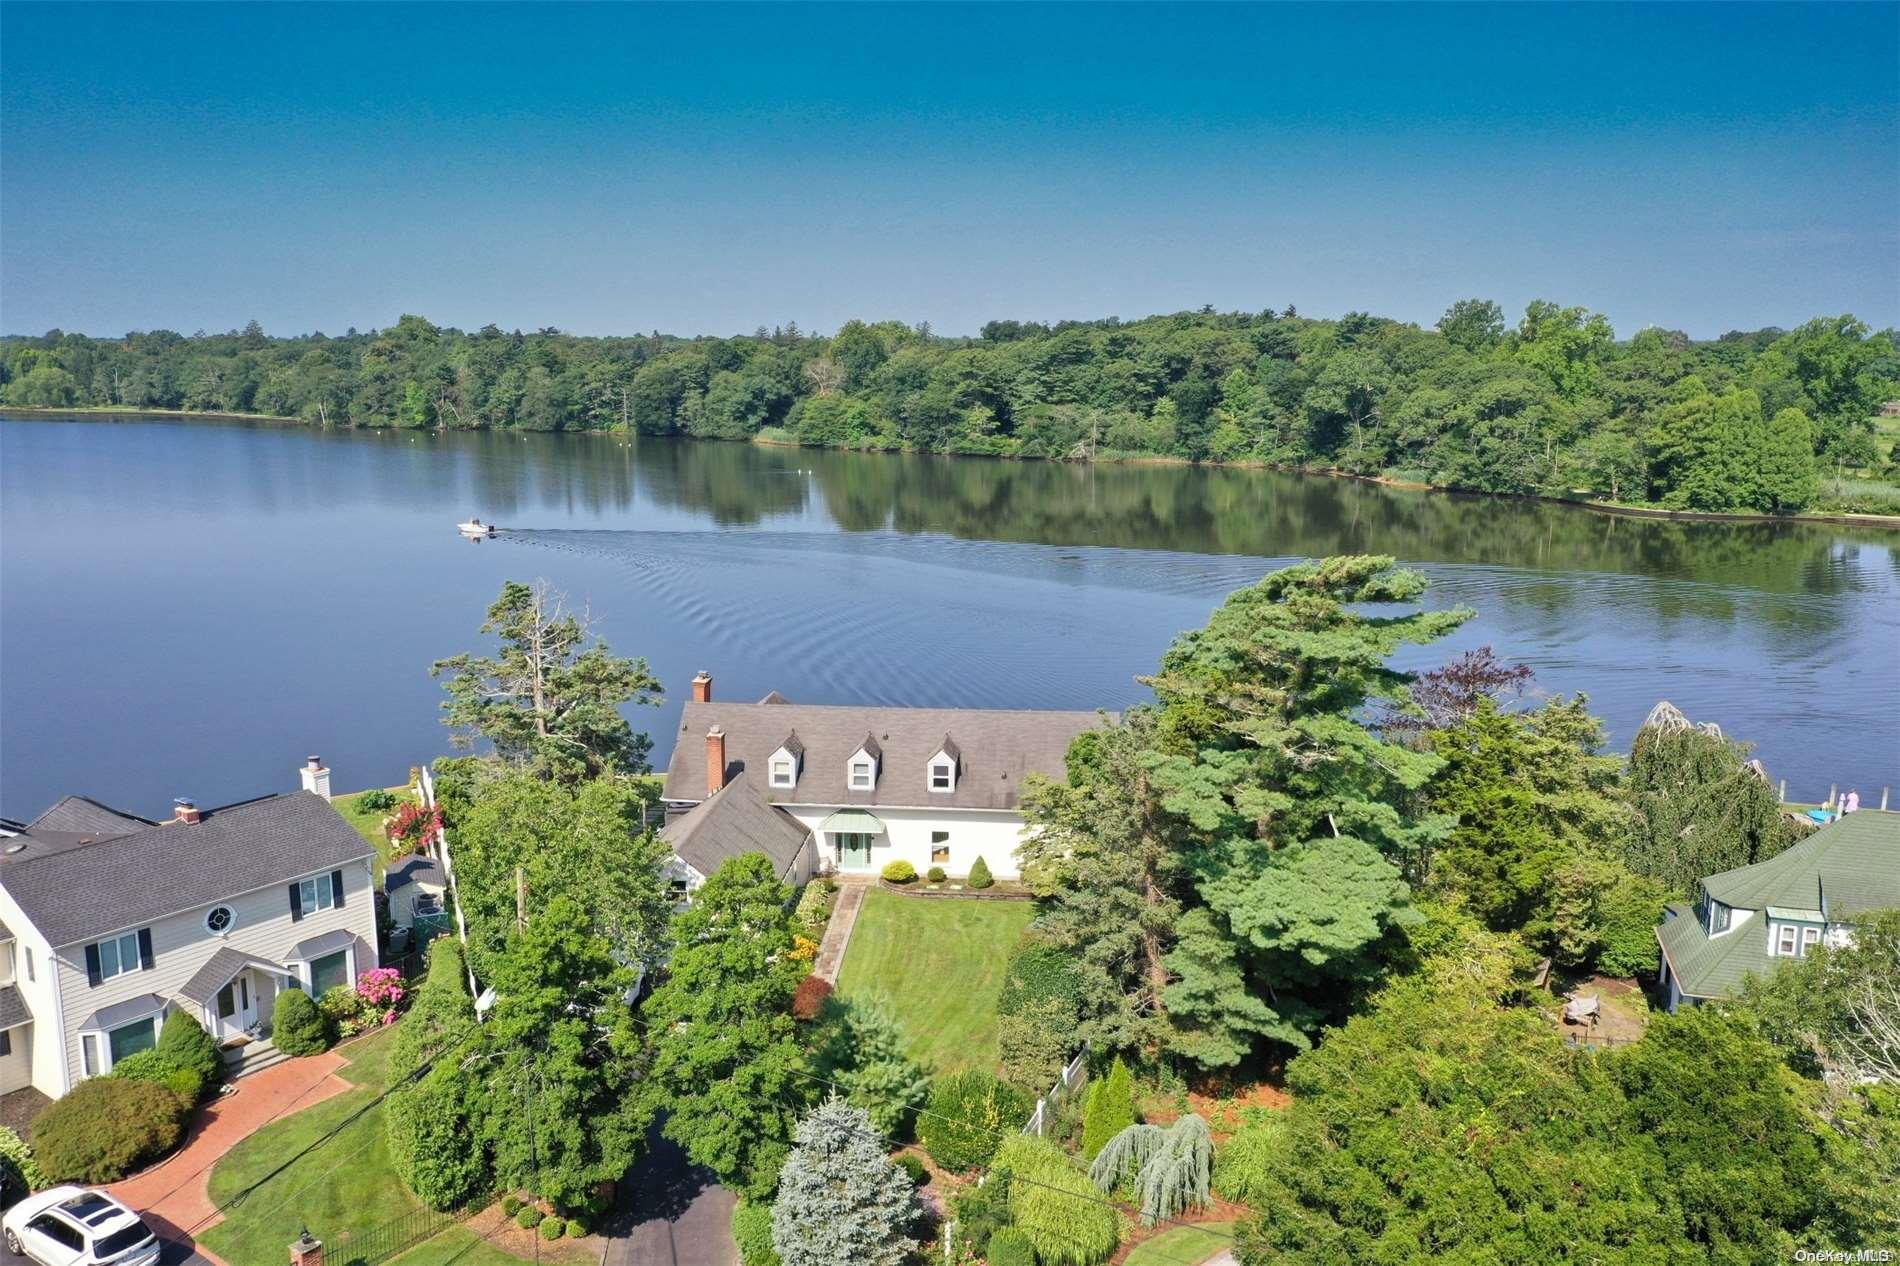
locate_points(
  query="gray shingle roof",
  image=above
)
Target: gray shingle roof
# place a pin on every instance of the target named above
(13, 1012)
(84, 816)
(323, 943)
(74, 890)
(997, 747)
(737, 820)
(218, 971)
(1853, 864)
(120, 1012)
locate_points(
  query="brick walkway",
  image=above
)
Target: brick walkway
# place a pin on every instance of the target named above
(844, 916)
(175, 1194)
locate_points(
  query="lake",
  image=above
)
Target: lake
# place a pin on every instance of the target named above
(189, 609)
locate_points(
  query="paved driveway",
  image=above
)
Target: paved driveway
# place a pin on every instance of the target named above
(673, 1214)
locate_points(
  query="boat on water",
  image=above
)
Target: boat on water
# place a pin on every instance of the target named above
(475, 529)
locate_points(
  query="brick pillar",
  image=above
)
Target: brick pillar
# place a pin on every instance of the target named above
(306, 1251)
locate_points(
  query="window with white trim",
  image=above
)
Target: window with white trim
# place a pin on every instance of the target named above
(784, 772)
(863, 775)
(1810, 937)
(218, 920)
(118, 955)
(943, 775)
(1786, 935)
(89, 1054)
(939, 847)
(316, 894)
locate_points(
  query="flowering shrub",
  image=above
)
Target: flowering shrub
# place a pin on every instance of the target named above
(804, 948)
(414, 826)
(377, 999)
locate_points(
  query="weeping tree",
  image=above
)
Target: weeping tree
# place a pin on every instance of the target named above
(1170, 1169)
(1702, 806)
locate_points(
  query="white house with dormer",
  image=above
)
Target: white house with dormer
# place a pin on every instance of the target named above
(851, 789)
(109, 922)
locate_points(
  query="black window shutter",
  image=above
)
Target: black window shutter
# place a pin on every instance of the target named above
(6, 1042)
(336, 887)
(145, 949)
(92, 966)
(296, 902)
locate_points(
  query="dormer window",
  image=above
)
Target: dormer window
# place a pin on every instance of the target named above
(862, 775)
(782, 767)
(943, 767)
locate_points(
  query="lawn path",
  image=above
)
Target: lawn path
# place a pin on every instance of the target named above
(844, 917)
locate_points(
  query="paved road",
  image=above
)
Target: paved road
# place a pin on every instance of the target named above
(673, 1214)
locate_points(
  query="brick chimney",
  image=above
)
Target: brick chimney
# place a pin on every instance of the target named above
(316, 777)
(715, 759)
(702, 687)
(185, 811)
(307, 1250)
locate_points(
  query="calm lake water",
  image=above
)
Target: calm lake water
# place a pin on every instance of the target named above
(189, 609)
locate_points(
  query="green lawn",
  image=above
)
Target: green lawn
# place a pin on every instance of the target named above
(1184, 1246)
(368, 822)
(941, 961)
(346, 1185)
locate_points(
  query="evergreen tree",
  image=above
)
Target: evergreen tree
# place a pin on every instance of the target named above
(1539, 823)
(865, 1055)
(726, 1059)
(1301, 820)
(840, 1199)
(1107, 861)
(549, 702)
(1110, 1110)
(564, 1113)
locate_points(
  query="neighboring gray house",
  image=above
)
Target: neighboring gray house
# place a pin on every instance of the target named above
(854, 788)
(112, 921)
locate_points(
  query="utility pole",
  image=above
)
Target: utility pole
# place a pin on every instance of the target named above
(521, 897)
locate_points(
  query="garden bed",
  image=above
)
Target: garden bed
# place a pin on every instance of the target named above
(1000, 891)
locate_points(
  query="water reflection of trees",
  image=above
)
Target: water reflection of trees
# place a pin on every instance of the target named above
(1194, 510)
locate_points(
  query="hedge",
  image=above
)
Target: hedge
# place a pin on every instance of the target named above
(19, 1172)
(296, 1026)
(105, 1128)
(752, 1232)
(185, 1043)
(969, 1112)
(900, 872)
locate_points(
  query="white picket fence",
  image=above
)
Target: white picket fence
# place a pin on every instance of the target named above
(1072, 1077)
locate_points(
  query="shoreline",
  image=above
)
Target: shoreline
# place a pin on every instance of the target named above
(1845, 518)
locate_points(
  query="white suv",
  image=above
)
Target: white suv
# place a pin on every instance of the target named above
(74, 1226)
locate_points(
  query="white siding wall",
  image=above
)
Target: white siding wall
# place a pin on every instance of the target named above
(180, 946)
(41, 996)
(991, 835)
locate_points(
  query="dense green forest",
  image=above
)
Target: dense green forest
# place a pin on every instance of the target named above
(1765, 421)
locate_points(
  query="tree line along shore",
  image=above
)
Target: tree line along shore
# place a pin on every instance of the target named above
(1767, 422)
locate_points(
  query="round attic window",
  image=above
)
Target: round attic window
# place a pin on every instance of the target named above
(218, 920)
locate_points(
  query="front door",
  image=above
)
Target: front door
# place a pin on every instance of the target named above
(853, 848)
(237, 1007)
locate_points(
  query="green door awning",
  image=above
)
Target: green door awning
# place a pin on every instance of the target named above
(854, 822)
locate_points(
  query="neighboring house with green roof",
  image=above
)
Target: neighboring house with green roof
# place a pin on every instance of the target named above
(1744, 922)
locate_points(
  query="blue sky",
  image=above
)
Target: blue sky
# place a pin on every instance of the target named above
(708, 169)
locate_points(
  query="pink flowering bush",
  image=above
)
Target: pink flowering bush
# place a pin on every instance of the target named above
(377, 999)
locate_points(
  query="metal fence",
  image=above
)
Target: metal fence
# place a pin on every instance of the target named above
(388, 1239)
(1072, 1077)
